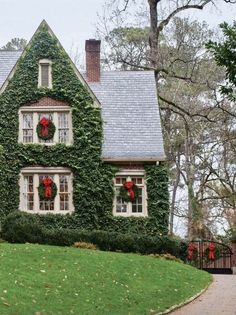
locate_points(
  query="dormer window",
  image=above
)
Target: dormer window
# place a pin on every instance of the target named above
(45, 74)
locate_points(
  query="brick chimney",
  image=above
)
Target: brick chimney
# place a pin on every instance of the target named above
(92, 50)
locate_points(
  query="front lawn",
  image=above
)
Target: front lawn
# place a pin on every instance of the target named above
(61, 280)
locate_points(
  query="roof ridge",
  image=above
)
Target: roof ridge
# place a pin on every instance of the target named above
(11, 50)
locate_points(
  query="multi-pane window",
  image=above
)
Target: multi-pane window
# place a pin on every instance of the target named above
(63, 127)
(45, 74)
(29, 192)
(29, 117)
(28, 128)
(64, 192)
(138, 206)
(30, 200)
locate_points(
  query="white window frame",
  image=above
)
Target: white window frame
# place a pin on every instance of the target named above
(129, 174)
(35, 172)
(36, 110)
(49, 63)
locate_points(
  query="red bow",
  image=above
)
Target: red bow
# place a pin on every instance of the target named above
(211, 254)
(44, 122)
(129, 187)
(47, 182)
(191, 248)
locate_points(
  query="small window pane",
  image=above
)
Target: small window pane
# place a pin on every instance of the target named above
(118, 180)
(140, 181)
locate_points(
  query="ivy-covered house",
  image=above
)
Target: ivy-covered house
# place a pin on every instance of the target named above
(85, 147)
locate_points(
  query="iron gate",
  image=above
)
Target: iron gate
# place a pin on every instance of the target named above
(213, 257)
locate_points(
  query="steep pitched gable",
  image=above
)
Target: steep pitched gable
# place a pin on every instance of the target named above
(12, 59)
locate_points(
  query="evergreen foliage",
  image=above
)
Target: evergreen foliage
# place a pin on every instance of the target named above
(224, 53)
(92, 178)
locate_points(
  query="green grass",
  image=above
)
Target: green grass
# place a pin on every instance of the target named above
(59, 280)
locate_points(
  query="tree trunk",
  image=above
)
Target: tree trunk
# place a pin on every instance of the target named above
(153, 36)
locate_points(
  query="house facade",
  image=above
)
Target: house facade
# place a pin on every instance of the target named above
(84, 149)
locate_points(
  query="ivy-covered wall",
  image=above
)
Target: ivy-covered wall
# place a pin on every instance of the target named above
(93, 179)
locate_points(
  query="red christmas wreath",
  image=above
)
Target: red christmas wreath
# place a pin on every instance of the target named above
(47, 189)
(129, 191)
(45, 129)
(192, 251)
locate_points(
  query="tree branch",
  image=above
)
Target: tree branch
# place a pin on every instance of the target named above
(176, 11)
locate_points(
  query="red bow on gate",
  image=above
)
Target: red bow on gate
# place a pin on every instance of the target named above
(47, 182)
(211, 254)
(44, 122)
(129, 187)
(191, 249)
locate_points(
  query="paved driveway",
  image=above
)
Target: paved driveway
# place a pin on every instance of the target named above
(219, 299)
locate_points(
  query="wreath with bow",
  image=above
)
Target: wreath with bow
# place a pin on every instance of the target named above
(212, 252)
(192, 252)
(45, 129)
(47, 189)
(129, 191)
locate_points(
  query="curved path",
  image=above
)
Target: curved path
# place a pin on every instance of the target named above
(220, 298)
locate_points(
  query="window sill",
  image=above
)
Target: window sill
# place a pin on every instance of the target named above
(129, 215)
(63, 212)
(46, 144)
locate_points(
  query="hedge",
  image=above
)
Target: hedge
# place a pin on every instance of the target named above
(21, 227)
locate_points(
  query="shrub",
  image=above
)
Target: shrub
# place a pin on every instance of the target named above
(21, 227)
(84, 245)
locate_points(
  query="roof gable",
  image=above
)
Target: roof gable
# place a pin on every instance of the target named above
(43, 35)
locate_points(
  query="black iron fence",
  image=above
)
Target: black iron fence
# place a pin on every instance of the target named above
(211, 256)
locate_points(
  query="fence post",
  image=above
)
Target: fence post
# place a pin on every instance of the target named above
(233, 246)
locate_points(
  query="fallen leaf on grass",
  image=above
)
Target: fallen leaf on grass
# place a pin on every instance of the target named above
(6, 304)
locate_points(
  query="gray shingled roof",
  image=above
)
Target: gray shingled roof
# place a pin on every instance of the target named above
(132, 128)
(7, 61)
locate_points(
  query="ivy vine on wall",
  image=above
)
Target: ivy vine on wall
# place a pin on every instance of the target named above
(93, 189)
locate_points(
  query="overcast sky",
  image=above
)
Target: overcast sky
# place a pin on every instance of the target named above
(73, 21)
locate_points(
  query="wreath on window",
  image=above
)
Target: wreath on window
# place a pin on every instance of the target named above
(129, 191)
(47, 189)
(45, 129)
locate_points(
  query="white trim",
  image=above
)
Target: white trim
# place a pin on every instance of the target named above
(129, 213)
(47, 109)
(35, 172)
(49, 63)
(135, 159)
(36, 108)
(42, 170)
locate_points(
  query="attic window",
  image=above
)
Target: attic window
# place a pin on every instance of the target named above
(45, 73)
